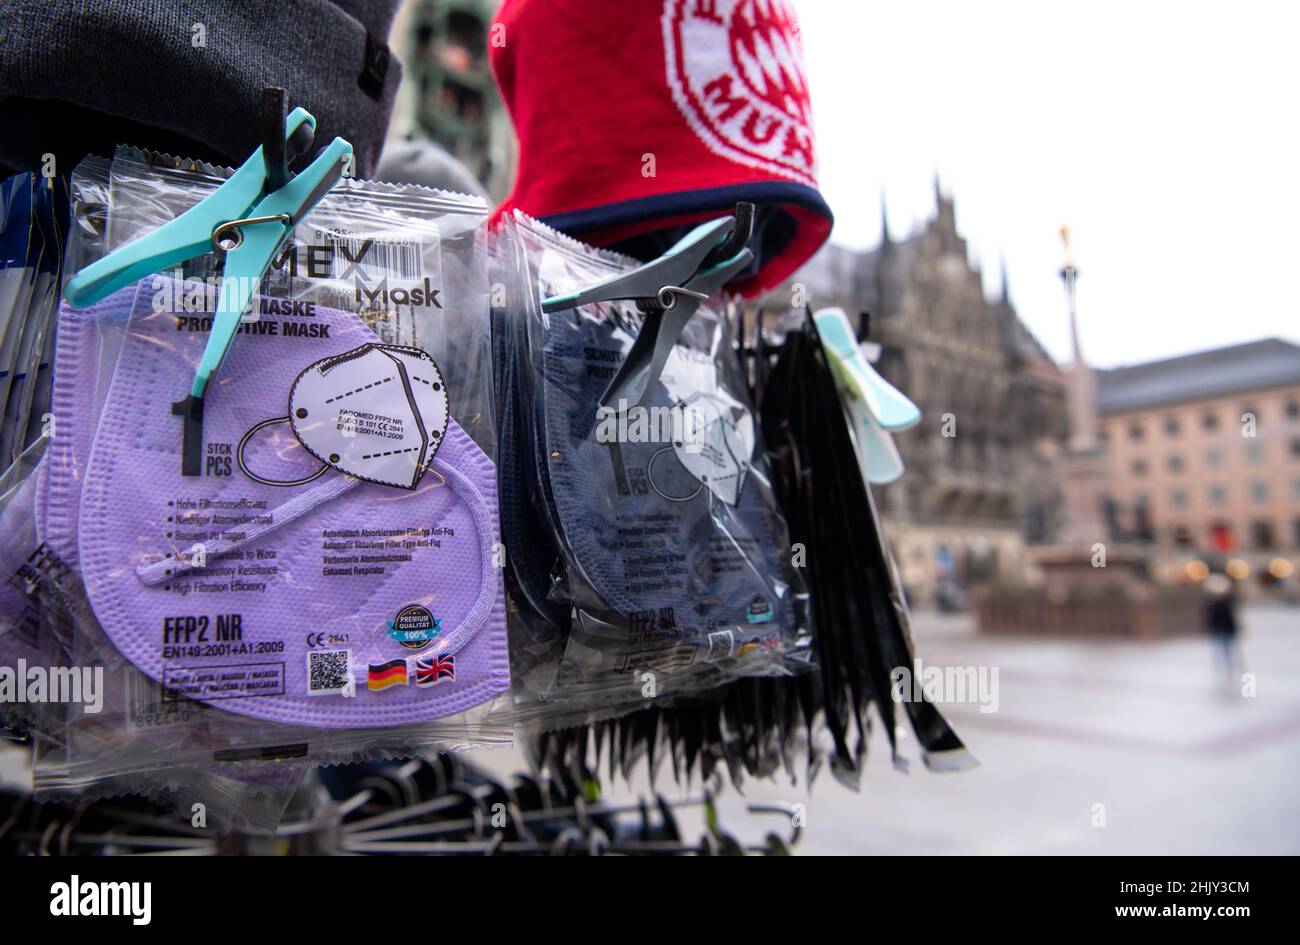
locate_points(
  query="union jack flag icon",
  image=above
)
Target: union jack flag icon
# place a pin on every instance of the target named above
(434, 669)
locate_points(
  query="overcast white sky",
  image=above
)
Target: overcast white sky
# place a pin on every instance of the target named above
(1166, 134)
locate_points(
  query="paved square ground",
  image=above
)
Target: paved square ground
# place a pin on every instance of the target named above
(1182, 764)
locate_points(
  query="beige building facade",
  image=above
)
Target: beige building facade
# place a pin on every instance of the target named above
(1204, 458)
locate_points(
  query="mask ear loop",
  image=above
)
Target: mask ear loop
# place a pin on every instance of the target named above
(176, 564)
(243, 467)
(485, 522)
(431, 471)
(650, 477)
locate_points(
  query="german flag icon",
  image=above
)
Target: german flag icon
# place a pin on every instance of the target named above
(380, 676)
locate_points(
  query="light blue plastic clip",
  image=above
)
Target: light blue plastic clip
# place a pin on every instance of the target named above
(888, 405)
(244, 221)
(878, 456)
(872, 405)
(669, 289)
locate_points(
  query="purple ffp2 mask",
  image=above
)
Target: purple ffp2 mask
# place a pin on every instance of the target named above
(86, 347)
(274, 585)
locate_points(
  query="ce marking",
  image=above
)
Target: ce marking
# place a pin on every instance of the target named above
(321, 638)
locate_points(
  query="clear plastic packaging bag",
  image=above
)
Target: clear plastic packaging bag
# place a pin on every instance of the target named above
(31, 327)
(327, 598)
(653, 561)
(20, 258)
(35, 600)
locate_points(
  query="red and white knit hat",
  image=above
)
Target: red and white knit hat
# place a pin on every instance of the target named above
(638, 118)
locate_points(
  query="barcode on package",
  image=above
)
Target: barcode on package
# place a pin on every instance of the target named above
(375, 257)
(149, 704)
(329, 672)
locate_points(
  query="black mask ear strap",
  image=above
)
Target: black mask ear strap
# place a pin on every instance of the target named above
(239, 458)
(650, 477)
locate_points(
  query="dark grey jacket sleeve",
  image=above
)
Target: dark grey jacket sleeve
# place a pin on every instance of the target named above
(82, 75)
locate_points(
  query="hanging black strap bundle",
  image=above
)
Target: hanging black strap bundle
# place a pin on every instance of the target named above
(862, 634)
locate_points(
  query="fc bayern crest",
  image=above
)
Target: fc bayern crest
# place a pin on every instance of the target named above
(735, 68)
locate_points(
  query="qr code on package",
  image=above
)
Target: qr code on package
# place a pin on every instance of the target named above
(721, 645)
(329, 673)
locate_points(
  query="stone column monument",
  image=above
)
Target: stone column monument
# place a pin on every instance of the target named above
(1085, 461)
(1092, 587)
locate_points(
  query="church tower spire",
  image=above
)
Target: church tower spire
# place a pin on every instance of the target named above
(945, 222)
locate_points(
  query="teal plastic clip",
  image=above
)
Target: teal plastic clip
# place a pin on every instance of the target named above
(668, 289)
(889, 407)
(878, 456)
(244, 221)
(872, 404)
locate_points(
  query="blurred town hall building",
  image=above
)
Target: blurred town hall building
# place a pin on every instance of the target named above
(983, 478)
(1203, 451)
